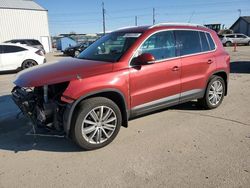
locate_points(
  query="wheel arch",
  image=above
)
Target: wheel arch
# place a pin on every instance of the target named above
(223, 75)
(28, 60)
(113, 94)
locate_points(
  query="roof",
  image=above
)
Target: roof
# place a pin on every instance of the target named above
(20, 4)
(245, 18)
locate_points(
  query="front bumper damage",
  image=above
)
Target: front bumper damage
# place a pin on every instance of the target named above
(45, 111)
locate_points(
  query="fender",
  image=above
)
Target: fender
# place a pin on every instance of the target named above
(68, 114)
(216, 72)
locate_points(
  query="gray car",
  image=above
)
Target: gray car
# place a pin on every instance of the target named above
(230, 39)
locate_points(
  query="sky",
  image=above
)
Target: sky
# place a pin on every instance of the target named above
(85, 16)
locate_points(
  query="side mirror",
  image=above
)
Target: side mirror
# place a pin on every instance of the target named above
(144, 59)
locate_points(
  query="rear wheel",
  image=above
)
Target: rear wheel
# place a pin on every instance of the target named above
(97, 123)
(28, 63)
(249, 43)
(214, 93)
(77, 53)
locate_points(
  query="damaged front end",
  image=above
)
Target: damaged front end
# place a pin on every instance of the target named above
(42, 105)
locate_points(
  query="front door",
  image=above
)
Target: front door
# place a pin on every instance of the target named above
(158, 84)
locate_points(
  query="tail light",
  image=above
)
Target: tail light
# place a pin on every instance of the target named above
(39, 52)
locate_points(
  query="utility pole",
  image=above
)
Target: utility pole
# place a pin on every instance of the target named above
(135, 20)
(103, 18)
(153, 16)
(239, 10)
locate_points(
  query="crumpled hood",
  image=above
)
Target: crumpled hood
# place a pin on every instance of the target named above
(66, 70)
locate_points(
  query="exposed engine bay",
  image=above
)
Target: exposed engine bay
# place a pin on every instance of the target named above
(42, 105)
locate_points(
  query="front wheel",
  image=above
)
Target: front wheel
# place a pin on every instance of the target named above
(97, 123)
(214, 93)
(228, 44)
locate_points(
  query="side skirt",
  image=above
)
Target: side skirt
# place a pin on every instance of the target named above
(166, 102)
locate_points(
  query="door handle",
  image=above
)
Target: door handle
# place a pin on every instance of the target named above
(210, 61)
(175, 68)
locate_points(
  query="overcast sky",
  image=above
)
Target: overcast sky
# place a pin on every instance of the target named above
(84, 16)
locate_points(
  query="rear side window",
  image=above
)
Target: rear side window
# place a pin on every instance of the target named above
(161, 45)
(204, 42)
(12, 49)
(211, 42)
(188, 42)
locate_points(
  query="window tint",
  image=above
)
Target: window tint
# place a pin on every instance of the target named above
(240, 36)
(230, 36)
(12, 49)
(204, 42)
(160, 45)
(1, 49)
(188, 42)
(211, 42)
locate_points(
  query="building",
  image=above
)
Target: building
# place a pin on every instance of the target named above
(24, 19)
(242, 25)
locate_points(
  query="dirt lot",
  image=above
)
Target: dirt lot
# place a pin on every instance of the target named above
(183, 146)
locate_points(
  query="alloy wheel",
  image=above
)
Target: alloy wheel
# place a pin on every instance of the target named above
(215, 92)
(99, 125)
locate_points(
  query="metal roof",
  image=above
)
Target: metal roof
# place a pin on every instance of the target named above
(246, 18)
(20, 4)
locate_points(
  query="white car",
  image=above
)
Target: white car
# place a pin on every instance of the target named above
(230, 39)
(14, 56)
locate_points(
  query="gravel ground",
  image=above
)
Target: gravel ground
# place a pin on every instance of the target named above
(182, 146)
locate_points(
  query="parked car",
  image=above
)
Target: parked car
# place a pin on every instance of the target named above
(14, 56)
(29, 42)
(74, 51)
(230, 39)
(126, 73)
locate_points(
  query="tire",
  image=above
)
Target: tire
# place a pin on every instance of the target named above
(209, 102)
(76, 53)
(97, 134)
(228, 44)
(249, 43)
(28, 63)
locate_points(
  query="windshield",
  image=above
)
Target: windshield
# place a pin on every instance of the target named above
(110, 47)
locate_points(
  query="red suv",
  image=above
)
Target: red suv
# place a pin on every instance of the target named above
(126, 73)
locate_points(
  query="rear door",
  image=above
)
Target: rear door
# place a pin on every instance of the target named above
(157, 84)
(197, 60)
(12, 57)
(241, 39)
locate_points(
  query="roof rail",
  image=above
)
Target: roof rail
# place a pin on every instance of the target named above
(127, 27)
(176, 24)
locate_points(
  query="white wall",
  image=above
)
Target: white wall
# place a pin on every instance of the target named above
(20, 24)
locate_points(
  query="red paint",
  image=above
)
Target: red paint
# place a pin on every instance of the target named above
(139, 84)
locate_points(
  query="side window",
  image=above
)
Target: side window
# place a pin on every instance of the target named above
(240, 36)
(160, 45)
(12, 49)
(204, 42)
(188, 42)
(211, 42)
(1, 49)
